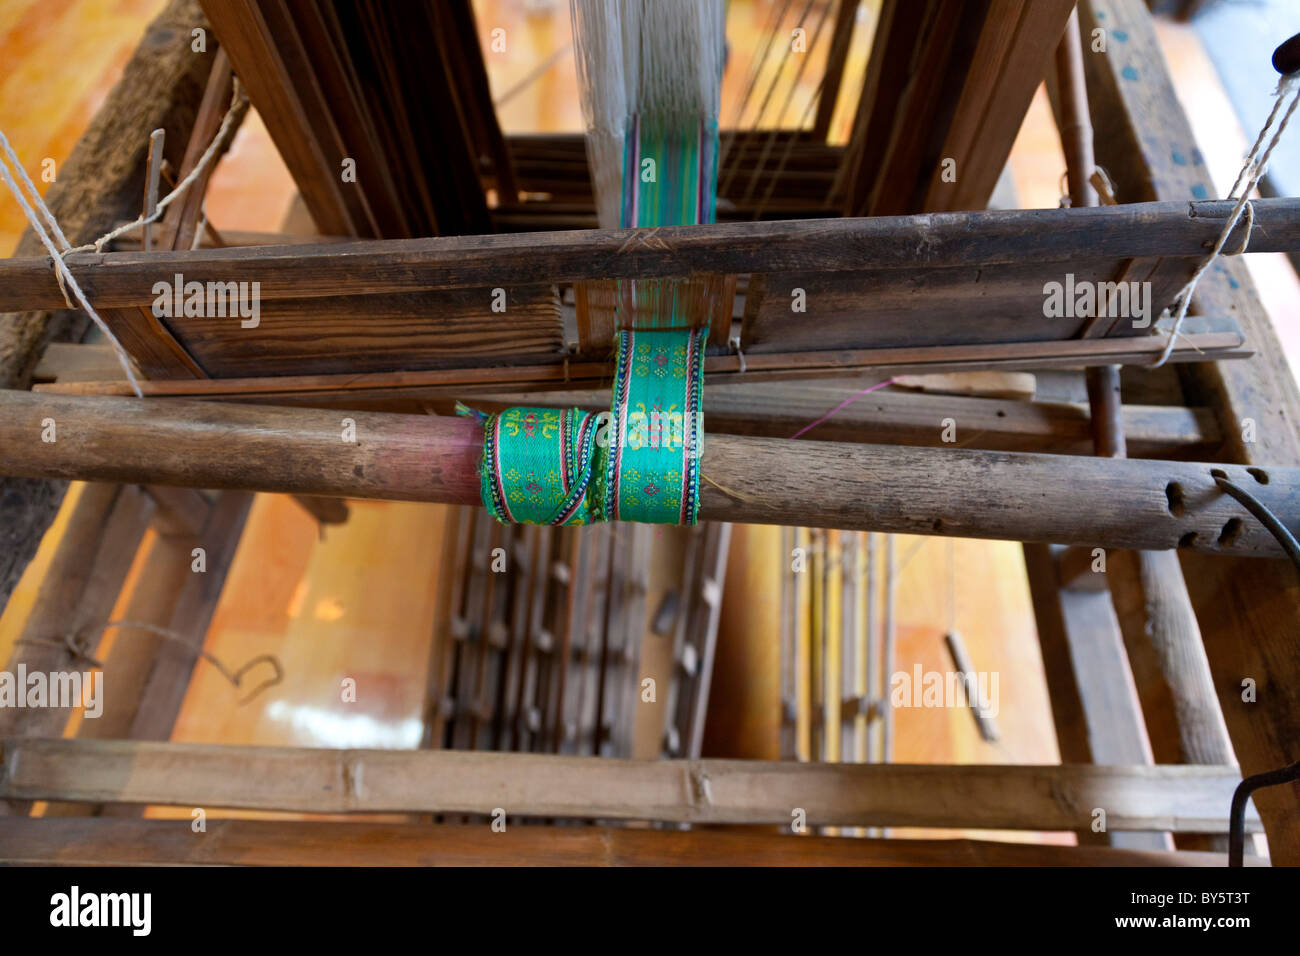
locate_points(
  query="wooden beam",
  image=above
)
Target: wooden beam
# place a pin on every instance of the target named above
(311, 780)
(829, 93)
(953, 491)
(365, 267)
(1149, 580)
(1247, 611)
(307, 149)
(1201, 339)
(77, 595)
(99, 185)
(887, 417)
(95, 842)
(1013, 56)
(1079, 633)
(75, 600)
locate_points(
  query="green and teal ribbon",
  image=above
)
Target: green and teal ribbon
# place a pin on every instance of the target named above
(641, 460)
(653, 470)
(638, 462)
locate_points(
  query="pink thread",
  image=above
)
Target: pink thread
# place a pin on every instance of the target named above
(847, 401)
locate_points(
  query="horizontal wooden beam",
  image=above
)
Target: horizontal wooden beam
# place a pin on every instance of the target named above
(1127, 503)
(1201, 340)
(90, 841)
(780, 409)
(311, 780)
(126, 279)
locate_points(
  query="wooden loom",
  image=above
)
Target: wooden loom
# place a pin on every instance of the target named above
(379, 319)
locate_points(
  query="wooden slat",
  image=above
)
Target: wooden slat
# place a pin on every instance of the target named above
(245, 35)
(75, 600)
(1078, 630)
(1201, 340)
(1013, 56)
(302, 843)
(1002, 303)
(311, 780)
(833, 76)
(77, 595)
(348, 334)
(163, 690)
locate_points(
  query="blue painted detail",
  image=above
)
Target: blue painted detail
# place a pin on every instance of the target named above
(1197, 158)
(1179, 158)
(1200, 192)
(1129, 73)
(1120, 35)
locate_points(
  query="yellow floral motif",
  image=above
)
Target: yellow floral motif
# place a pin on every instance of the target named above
(657, 427)
(531, 422)
(660, 360)
(636, 489)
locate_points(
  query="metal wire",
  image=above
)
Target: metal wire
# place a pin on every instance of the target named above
(1241, 796)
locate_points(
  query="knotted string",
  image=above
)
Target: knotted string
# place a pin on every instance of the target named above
(1252, 171)
(60, 250)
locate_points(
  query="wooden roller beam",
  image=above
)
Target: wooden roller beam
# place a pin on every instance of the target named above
(95, 842)
(312, 780)
(1124, 503)
(365, 267)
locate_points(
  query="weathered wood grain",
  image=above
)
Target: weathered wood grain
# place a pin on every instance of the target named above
(99, 184)
(952, 491)
(1246, 610)
(90, 842)
(312, 780)
(939, 240)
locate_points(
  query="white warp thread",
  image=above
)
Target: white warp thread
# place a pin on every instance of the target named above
(659, 59)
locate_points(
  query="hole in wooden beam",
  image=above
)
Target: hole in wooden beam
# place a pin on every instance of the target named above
(1177, 505)
(1259, 474)
(1230, 533)
(1187, 540)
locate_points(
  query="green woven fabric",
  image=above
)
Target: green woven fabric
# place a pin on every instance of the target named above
(652, 473)
(670, 172)
(641, 460)
(539, 465)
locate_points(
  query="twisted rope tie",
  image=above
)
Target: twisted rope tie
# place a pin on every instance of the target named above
(62, 249)
(1252, 171)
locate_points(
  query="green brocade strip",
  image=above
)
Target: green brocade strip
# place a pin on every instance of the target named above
(640, 461)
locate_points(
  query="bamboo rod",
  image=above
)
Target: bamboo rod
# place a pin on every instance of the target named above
(89, 841)
(1129, 503)
(312, 780)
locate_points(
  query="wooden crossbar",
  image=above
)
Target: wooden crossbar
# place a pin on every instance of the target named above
(1178, 798)
(940, 240)
(1127, 503)
(98, 841)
